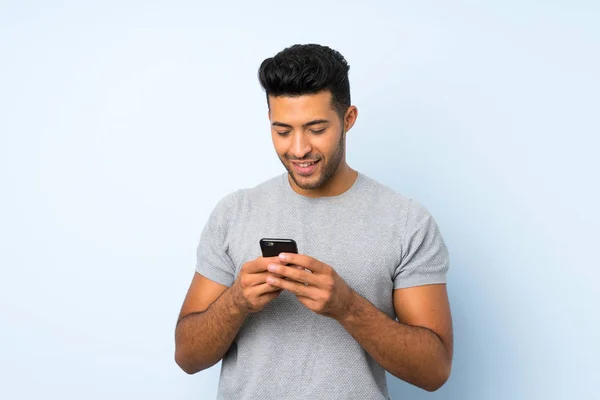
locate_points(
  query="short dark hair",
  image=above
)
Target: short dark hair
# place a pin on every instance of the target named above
(307, 69)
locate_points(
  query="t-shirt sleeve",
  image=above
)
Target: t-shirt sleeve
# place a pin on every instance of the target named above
(212, 258)
(425, 259)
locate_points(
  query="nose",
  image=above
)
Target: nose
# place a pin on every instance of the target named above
(300, 145)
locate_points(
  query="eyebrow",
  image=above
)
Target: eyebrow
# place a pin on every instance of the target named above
(310, 123)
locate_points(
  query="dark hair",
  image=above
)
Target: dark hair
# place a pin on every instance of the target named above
(307, 69)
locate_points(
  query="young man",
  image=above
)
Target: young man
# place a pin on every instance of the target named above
(320, 324)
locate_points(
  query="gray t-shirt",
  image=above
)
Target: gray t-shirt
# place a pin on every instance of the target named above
(376, 239)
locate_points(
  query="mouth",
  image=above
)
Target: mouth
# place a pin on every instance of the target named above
(305, 168)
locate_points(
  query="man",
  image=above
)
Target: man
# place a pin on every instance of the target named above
(320, 324)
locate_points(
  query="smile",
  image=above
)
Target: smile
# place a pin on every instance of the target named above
(305, 168)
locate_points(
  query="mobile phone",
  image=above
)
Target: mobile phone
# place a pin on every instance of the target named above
(272, 247)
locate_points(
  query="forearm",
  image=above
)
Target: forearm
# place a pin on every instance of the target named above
(203, 338)
(413, 354)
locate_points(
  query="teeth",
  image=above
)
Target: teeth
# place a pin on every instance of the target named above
(306, 164)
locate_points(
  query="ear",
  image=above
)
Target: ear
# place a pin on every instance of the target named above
(350, 117)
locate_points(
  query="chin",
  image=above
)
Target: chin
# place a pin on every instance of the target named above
(308, 186)
(307, 182)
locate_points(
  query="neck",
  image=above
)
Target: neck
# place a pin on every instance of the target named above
(341, 181)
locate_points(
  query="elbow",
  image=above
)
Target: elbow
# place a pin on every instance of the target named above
(182, 360)
(185, 366)
(433, 387)
(187, 369)
(439, 379)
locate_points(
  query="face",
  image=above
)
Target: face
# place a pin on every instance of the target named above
(308, 136)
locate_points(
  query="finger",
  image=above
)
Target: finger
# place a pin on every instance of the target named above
(280, 261)
(267, 297)
(257, 279)
(299, 289)
(295, 273)
(302, 268)
(262, 289)
(303, 260)
(259, 264)
(290, 266)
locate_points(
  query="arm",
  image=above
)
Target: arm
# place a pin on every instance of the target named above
(418, 347)
(212, 314)
(207, 325)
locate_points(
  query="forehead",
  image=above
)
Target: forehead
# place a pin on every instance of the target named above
(290, 109)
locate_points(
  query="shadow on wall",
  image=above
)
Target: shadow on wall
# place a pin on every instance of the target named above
(486, 361)
(477, 343)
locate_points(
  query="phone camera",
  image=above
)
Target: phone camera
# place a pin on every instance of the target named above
(270, 244)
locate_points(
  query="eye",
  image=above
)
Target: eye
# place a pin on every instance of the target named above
(319, 131)
(285, 133)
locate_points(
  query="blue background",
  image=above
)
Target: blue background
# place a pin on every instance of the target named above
(123, 123)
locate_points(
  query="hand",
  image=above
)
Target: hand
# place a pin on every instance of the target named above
(251, 292)
(321, 290)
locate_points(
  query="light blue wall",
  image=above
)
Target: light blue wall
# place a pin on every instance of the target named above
(122, 124)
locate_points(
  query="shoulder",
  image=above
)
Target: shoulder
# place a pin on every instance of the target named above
(405, 208)
(265, 187)
(244, 197)
(383, 195)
